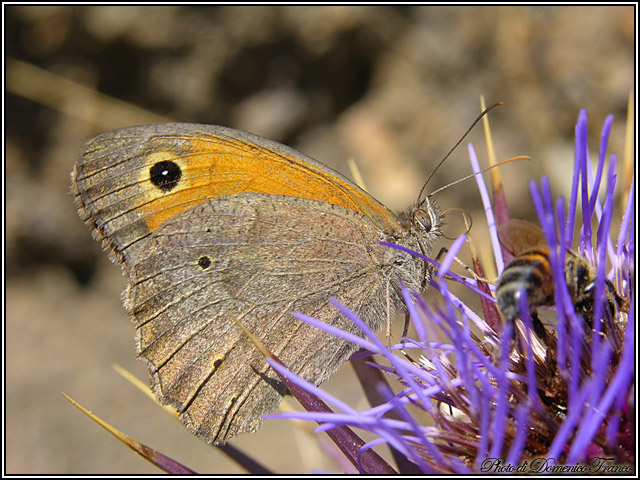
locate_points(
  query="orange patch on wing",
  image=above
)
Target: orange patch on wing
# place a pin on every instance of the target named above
(213, 167)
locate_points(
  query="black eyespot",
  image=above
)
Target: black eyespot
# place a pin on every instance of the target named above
(204, 262)
(165, 175)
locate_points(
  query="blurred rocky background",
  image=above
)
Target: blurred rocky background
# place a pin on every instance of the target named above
(393, 87)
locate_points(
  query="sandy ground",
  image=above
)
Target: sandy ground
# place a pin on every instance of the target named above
(393, 87)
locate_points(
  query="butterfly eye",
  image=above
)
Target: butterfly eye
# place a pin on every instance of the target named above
(423, 217)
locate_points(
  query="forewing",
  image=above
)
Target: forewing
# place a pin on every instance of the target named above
(116, 193)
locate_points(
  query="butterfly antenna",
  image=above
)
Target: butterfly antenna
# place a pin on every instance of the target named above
(484, 112)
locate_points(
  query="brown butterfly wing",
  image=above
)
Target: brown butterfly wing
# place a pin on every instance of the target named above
(213, 224)
(129, 181)
(255, 258)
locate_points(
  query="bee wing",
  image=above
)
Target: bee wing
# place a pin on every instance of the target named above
(519, 236)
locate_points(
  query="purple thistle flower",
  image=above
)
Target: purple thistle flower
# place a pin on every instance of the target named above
(560, 403)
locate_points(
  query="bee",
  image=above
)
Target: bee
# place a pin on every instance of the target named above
(530, 270)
